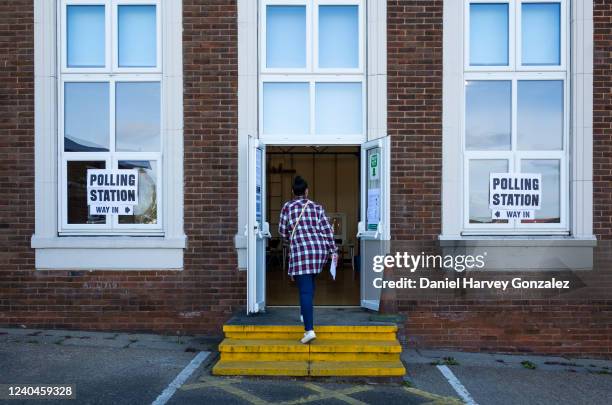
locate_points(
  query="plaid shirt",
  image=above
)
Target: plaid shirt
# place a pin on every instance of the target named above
(313, 241)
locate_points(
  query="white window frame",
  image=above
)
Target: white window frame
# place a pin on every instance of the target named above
(511, 37)
(112, 227)
(312, 74)
(111, 40)
(115, 38)
(159, 250)
(110, 74)
(515, 72)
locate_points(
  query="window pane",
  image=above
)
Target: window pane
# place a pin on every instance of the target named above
(78, 210)
(489, 34)
(146, 210)
(138, 117)
(85, 36)
(286, 36)
(540, 115)
(551, 191)
(339, 36)
(479, 189)
(488, 121)
(541, 33)
(286, 108)
(86, 117)
(339, 109)
(137, 36)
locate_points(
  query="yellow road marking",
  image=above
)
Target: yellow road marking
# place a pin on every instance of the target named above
(436, 399)
(342, 395)
(321, 393)
(255, 400)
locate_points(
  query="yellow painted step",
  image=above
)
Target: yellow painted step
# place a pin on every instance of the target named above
(353, 356)
(354, 346)
(316, 346)
(279, 368)
(303, 368)
(262, 356)
(263, 346)
(357, 369)
(318, 328)
(320, 335)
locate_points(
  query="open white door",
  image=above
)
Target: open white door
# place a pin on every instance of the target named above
(258, 230)
(374, 228)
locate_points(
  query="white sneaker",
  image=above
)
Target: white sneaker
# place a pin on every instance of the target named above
(302, 318)
(308, 336)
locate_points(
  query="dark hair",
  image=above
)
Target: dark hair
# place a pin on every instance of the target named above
(299, 186)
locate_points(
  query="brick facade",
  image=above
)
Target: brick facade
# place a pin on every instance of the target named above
(200, 298)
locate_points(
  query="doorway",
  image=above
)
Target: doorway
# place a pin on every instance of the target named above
(333, 176)
(367, 186)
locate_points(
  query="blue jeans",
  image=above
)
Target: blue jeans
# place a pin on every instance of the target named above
(306, 285)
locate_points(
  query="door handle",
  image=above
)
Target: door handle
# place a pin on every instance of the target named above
(360, 229)
(265, 233)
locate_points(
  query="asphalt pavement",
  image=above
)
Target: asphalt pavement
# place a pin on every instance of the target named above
(113, 368)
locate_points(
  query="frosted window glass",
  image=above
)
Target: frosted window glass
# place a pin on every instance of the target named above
(479, 189)
(339, 109)
(488, 121)
(85, 36)
(286, 36)
(338, 36)
(540, 115)
(286, 108)
(541, 33)
(86, 117)
(550, 169)
(489, 35)
(137, 36)
(138, 109)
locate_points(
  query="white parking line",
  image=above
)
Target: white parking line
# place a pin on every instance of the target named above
(457, 386)
(180, 379)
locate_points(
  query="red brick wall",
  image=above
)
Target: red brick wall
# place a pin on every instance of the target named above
(576, 323)
(16, 153)
(414, 52)
(198, 299)
(202, 296)
(602, 119)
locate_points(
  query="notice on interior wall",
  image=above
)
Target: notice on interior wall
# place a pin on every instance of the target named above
(373, 212)
(374, 166)
(515, 195)
(258, 185)
(112, 191)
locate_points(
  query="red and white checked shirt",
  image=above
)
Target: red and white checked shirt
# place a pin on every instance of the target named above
(313, 241)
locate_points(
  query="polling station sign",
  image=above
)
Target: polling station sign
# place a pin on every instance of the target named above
(515, 195)
(113, 191)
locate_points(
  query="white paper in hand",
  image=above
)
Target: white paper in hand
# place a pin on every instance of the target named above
(332, 268)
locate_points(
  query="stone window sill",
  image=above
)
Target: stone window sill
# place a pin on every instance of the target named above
(109, 253)
(525, 253)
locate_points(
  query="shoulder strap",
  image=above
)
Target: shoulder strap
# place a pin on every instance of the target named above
(298, 220)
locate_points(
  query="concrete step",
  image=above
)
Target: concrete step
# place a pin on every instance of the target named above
(316, 346)
(277, 368)
(263, 346)
(357, 368)
(390, 336)
(312, 368)
(318, 328)
(245, 356)
(354, 346)
(339, 350)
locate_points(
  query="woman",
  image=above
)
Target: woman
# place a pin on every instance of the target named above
(311, 242)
